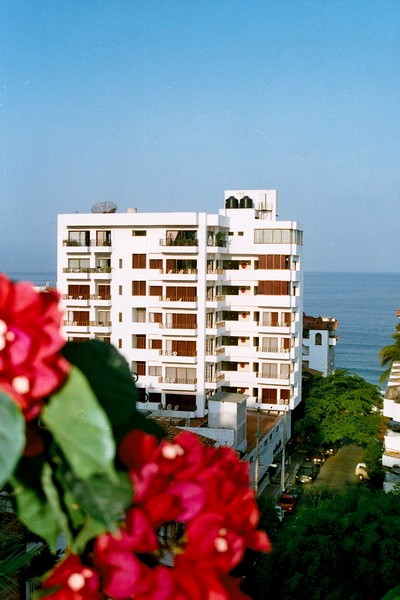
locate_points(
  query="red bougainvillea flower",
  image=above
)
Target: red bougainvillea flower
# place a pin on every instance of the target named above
(31, 366)
(185, 482)
(72, 580)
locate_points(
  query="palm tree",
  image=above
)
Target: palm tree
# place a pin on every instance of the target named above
(390, 354)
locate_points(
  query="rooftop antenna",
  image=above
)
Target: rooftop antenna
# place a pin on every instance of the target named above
(104, 207)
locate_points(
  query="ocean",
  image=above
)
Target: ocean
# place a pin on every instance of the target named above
(365, 305)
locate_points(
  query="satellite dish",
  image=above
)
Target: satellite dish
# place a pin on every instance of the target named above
(104, 207)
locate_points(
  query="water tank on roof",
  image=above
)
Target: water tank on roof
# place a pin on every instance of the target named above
(231, 202)
(246, 202)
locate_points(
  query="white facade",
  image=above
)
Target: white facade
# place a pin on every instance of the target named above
(319, 342)
(197, 303)
(391, 410)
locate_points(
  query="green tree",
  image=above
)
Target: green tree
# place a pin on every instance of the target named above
(341, 408)
(389, 354)
(346, 547)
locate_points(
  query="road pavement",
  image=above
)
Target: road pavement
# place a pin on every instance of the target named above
(337, 473)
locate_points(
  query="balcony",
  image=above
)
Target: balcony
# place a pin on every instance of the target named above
(179, 357)
(179, 328)
(86, 243)
(86, 323)
(86, 297)
(177, 383)
(87, 270)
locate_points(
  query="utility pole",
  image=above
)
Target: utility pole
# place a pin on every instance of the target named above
(257, 462)
(283, 473)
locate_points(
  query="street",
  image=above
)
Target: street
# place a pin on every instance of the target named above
(337, 473)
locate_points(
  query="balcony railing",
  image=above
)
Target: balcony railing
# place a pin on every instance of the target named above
(179, 242)
(178, 299)
(215, 352)
(216, 298)
(86, 243)
(215, 271)
(179, 271)
(178, 380)
(86, 297)
(86, 323)
(274, 323)
(215, 379)
(87, 270)
(272, 349)
(178, 325)
(177, 353)
(267, 375)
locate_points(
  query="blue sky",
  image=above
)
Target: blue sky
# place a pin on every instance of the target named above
(161, 105)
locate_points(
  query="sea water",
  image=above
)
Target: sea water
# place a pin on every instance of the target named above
(365, 305)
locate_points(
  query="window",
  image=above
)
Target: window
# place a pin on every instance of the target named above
(78, 263)
(138, 261)
(155, 317)
(139, 367)
(156, 263)
(103, 263)
(274, 288)
(139, 342)
(78, 238)
(285, 371)
(156, 344)
(274, 261)
(269, 395)
(155, 290)
(139, 232)
(269, 370)
(155, 371)
(269, 344)
(285, 395)
(103, 317)
(138, 288)
(120, 263)
(103, 238)
(139, 315)
(119, 317)
(270, 319)
(119, 343)
(78, 317)
(79, 291)
(180, 375)
(120, 290)
(318, 339)
(181, 293)
(103, 291)
(278, 236)
(240, 233)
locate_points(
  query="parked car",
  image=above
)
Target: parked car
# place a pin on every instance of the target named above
(288, 502)
(361, 471)
(316, 456)
(331, 450)
(307, 473)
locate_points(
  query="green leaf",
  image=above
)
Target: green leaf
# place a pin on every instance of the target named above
(81, 428)
(39, 515)
(103, 502)
(12, 436)
(111, 380)
(90, 530)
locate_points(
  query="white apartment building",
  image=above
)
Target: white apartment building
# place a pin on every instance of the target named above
(391, 450)
(199, 304)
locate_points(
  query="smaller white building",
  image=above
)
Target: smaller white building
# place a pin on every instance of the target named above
(391, 450)
(319, 341)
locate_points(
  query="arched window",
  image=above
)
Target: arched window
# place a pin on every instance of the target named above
(318, 339)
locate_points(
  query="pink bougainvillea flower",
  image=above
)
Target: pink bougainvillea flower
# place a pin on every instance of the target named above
(72, 580)
(31, 367)
(183, 481)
